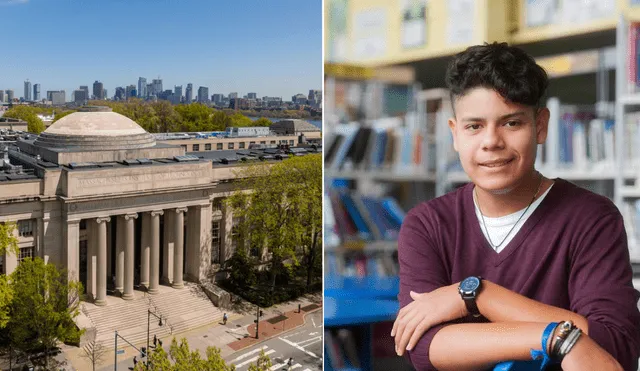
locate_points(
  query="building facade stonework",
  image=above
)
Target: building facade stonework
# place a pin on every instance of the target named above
(116, 224)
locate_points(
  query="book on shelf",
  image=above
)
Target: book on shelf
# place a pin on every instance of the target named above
(632, 139)
(359, 264)
(585, 141)
(390, 144)
(342, 348)
(633, 58)
(359, 217)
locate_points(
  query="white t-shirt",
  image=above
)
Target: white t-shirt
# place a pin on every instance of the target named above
(499, 227)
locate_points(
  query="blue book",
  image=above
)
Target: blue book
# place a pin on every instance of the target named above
(395, 211)
(363, 231)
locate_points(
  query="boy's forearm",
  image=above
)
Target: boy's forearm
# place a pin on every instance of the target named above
(498, 304)
(478, 346)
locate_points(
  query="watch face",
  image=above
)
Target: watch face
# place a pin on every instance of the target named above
(470, 284)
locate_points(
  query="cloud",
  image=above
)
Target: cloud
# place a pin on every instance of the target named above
(13, 2)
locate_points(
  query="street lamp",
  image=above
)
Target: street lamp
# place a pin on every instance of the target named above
(149, 313)
(115, 359)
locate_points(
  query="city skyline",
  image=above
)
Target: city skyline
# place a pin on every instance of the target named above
(205, 44)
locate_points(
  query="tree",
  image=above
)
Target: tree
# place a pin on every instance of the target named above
(182, 358)
(8, 245)
(240, 120)
(220, 121)
(43, 307)
(284, 205)
(262, 364)
(28, 114)
(168, 119)
(94, 352)
(262, 121)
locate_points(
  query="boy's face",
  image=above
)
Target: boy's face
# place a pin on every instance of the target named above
(496, 139)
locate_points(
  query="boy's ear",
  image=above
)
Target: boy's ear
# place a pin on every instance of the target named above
(542, 125)
(452, 126)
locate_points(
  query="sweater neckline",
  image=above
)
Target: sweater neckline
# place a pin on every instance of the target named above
(473, 224)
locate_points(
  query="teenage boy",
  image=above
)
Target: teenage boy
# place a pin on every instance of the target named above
(487, 268)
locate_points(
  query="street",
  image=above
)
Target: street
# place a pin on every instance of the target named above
(304, 344)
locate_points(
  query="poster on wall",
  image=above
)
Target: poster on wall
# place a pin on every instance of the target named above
(337, 32)
(461, 21)
(370, 33)
(414, 23)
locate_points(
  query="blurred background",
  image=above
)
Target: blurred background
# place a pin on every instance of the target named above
(388, 147)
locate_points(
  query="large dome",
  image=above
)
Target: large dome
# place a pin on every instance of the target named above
(95, 129)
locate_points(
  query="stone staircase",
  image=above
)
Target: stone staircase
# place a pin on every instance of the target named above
(182, 310)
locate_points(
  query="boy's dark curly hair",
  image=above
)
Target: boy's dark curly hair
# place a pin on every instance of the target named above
(506, 69)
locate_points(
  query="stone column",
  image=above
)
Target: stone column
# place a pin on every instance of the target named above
(226, 224)
(178, 248)
(11, 259)
(145, 241)
(168, 247)
(71, 246)
(101, 276)
(198, 242)
(120, 243)
(154, 268)
(129, 257)
(109, 252)
(92, 249)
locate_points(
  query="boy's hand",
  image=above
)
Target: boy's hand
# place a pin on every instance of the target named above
(427, 310)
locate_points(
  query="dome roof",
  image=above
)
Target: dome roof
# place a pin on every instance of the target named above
(95, 130)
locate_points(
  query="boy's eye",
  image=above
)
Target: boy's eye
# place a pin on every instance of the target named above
(473, 127)
(512, 123)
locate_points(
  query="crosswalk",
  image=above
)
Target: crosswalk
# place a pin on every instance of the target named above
(243, 362)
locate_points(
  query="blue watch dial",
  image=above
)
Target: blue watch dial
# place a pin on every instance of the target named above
(470, 284)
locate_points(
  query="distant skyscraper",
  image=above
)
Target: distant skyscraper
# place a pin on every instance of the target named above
(189, 94)
(56, 97)
(142, 87)
(36, 92)
(203, 94)
(85, 88)
(177, 93)
(217, 98)
(81, 96)
(10, 95)
(2, 97)
(131, 91)
(252, 96)
(120, 93)
(98, 90)
(156, 86)
(27, 90)
(233, 95)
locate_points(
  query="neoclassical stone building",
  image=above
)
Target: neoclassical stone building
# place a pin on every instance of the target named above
(97, 195)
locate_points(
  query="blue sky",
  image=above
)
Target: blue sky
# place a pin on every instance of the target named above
(271, 47)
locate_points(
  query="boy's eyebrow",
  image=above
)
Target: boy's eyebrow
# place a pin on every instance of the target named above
(501, 118)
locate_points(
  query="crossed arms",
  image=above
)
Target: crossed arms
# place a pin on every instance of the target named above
(431, 321)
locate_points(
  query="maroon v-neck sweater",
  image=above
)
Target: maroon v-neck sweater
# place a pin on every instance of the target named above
(571, 253)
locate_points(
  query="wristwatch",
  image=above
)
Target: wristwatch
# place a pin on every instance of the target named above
(469, 289)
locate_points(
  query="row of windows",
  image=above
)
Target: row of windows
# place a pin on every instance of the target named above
(232, 145)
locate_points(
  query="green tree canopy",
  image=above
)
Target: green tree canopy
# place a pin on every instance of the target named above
(28, 114)
(240, 120)
(283, 209)
(8, 244)
(262, 364)
(182, 358)
(43, 307)
(262, 121)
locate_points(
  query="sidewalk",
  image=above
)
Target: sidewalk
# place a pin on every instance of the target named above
(238, 333)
